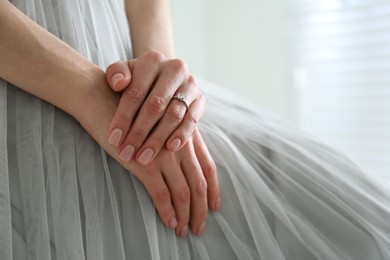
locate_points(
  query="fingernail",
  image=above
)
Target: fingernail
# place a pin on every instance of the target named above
(146, 156)
(172, 223)
(175, 144)
(217, 204)
(127, 153)
(116, 78)
(184, 231)
(115, 137)
(201, 228)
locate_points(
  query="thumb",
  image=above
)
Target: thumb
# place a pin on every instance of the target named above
(118, 75)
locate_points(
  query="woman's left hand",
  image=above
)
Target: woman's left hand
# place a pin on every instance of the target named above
(191, 183)
(149, 115)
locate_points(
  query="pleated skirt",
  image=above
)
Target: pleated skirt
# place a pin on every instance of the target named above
(285, 194)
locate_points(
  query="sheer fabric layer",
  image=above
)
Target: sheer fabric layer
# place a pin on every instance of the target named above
(285, 195)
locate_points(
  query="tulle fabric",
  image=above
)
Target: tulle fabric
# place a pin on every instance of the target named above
(285, 195)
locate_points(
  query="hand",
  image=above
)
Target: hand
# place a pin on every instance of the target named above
(187, 179)
(176, 181)
(147, 117)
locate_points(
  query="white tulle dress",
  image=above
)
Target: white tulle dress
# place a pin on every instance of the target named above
(285, 195)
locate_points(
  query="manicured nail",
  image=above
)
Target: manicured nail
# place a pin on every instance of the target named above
(116, 78)
(201, 228)
(172, 223)
(115, 137)
(146, 156)
(184, 231)
(175, 144)
(217, 204)
(127, 153)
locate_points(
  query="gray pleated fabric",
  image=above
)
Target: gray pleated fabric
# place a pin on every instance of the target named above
(285, 195)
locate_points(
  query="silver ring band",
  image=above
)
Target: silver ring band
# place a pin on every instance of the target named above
(181, 97)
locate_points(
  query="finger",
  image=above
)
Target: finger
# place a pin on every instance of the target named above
(209, 171)
(161, 196)
(144, 74)
(154, 107)
(198, 187)
(181, 195)
(118, 75)
(181, 135)
(171, 119)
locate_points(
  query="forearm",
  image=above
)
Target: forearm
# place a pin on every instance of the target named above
(39, 63)
(150, 26)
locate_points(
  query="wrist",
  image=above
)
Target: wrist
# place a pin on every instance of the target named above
(96, 105)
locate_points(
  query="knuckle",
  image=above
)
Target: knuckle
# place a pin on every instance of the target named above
(178, 66)
(137, 136)
(193, 117)
(154, 57)
(156, 105)
(156, 142)
(201, 215)
(210, 170)
(134, 94)
(192, 81)
(121, 118)
(176, 114)
(184, 195)
(201, 188)
(163, 195)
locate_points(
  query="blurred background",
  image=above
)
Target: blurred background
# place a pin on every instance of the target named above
(323, 65)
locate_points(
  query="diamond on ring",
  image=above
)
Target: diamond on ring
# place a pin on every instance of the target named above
(181, 97)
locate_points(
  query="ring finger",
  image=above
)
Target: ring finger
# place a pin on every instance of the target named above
(198, 187)
(171, 120)
(181, 196)
(181, 135)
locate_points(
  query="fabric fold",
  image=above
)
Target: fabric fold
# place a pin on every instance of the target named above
(285, 195)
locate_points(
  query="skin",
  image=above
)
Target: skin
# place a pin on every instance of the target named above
(39, 63)
(154, 78)
(151, 28)
(148, 84)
